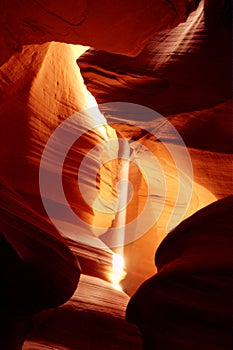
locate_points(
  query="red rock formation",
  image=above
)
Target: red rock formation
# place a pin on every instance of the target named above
(188, 303)
(88, 23)
(38, 270)
(182, 72)
(94, 318)
(179, 70)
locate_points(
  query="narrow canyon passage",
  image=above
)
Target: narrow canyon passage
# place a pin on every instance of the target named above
(116, 175)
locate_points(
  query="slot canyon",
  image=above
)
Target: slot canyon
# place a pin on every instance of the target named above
(116, 175)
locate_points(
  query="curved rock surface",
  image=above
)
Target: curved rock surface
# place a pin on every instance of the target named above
(38, 270)
(180, 70)
(35, 93)
(92, 319)
(188, 303)
(88, 23)
(180, 66)
(182, 73)
(32, 237)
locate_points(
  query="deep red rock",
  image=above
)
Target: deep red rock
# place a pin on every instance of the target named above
(38, 270)
(188, 303)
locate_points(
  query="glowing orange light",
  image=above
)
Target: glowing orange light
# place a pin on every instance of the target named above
(118, 271)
